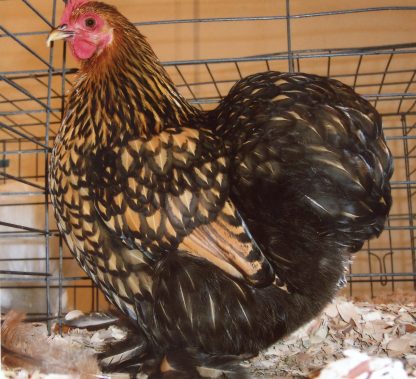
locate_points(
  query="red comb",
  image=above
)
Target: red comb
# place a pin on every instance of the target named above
(69, 8)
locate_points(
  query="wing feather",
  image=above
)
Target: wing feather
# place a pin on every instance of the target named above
(171, 194)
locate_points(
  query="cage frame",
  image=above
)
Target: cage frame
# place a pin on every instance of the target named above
(41, 145)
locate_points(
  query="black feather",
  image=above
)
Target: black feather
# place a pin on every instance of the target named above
(290, 174)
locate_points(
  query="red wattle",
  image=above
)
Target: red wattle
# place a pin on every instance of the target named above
(83, 49)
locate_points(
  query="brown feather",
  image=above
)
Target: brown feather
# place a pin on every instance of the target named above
(27, 346)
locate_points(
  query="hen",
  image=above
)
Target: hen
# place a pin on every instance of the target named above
(218, 232)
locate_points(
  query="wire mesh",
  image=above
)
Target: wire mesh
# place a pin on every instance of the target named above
(35, 266)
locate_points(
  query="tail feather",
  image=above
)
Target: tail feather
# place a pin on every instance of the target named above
(130, 354)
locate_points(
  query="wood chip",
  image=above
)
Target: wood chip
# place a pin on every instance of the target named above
(379, 330)
(400, 345)
(347, 311)
(376, 332)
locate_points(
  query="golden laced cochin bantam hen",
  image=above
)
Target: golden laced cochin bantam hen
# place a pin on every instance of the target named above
(216, 233)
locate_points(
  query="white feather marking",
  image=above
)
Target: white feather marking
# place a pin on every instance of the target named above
(316, 204)
(185, 177)
(332, 163)
(229, 335)
(243, 165)
(131, 312)
(162, 158)
(271, 168)
(240, 289)
(122, 357)
(164, 311)
(190, 279)
(361, 136)
(340, 167)
(211, 304)
(191, 315)
(183, 297)
(278, 118)
(342, 244)
(180, 329)
(363, 204)
(319, 148)
(244, 312)
(283, 287)
(295, 115)
(153, 223)
(350, 215)
(186, 199)
(314, 130)
(283, 259)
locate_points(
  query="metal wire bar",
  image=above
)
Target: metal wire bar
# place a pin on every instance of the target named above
(247, 18)
(26, 34)
(24, 100)
(32, 259)
(26, 193)
(289, 38)
(24, 91)
(238, 70)
(37, 78)
(338, 76)
(8, 176)
(40, 15)
(330, 52)
(26, 112)
(271, 18)
(46, 207)
(14, 152)
(284, 57)
(384, 77)
(29, 138)
(410, 82)
(16, 125)
(385, 93)
(24, 74)
(44, 278)
(213, 81)
(410, 204)
(386, 97)
(12, 102)
(381, 274)
(306, 53)
(187, 85)
(60, 283)
(24, 125)
(412, 107)
(27, 228)
(26, 47)
(25, 273)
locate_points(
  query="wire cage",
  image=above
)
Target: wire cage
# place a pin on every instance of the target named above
(206, 46)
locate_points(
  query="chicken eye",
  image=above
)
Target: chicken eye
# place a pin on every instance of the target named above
(89, 22)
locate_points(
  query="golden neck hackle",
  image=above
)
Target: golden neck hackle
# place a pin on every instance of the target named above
(124, 92)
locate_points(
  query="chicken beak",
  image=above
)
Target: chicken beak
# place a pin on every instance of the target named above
(61, 32)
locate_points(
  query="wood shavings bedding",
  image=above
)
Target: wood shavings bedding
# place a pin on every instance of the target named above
(379, 330)
(351, 339)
